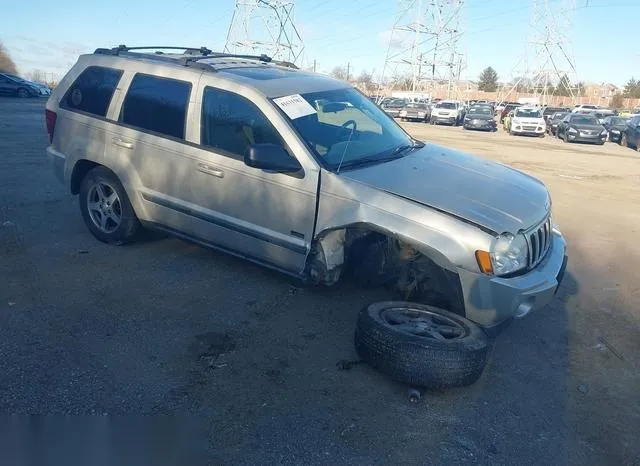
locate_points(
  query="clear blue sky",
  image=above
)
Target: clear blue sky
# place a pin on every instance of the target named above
(336, 32)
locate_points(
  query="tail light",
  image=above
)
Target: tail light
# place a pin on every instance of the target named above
(50, 118)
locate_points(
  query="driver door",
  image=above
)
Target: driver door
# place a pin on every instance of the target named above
(261, 215)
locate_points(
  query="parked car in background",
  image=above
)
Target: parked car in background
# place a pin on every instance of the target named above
(480, 117)
(576, 127)
(615, 126)
(553, 122)
(548, 112)
(447, 111)
(507, 108)
(603, 113)
(16, 86)
(393, 106)
(585, 108)
(415, 112)
(527, 121)
(631, 135)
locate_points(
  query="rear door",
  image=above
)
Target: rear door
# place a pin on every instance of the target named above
(147, 146)
(260, 214)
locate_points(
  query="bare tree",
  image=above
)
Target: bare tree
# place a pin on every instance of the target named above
(38, 76)
(339, 72)
(6, 63)
(403, 82)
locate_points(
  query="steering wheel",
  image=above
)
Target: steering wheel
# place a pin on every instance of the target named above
(342, 131)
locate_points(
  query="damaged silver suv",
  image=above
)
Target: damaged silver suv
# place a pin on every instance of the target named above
(299, 172)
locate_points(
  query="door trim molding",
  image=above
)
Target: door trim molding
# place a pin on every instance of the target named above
(183, 209)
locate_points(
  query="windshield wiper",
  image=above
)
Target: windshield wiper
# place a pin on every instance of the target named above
(395, 154)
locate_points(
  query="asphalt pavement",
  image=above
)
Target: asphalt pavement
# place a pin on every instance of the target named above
(249, 356)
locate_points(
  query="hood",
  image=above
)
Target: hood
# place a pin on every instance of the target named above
(486, 193)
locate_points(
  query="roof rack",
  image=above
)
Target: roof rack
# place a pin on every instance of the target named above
(196, 54)
(123, 48)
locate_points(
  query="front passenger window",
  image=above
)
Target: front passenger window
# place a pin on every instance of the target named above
(231, 123)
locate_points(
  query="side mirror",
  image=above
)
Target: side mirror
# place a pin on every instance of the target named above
(271, 157)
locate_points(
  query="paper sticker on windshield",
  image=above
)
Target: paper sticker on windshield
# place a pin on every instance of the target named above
(294, 106)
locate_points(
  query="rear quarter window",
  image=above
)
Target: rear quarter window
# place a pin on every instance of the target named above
(158, 105)
(92, 91)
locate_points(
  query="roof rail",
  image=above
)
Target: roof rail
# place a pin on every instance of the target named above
(124, 48)
(193, 61)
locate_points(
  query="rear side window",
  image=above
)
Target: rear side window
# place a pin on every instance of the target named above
(157, 104)
(232, 123)
(92, 90)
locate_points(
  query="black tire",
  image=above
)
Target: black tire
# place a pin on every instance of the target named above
(417, 360)
(129, 225)
(23, 93)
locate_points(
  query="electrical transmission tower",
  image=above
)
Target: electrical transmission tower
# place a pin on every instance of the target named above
(265, 26)
(548, 65)
(424, 43)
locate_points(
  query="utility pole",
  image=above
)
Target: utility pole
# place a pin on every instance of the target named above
(548, 56)
(425, 35)
(265, 26)
(314, 65)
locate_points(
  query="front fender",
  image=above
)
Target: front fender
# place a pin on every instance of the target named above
(449, 241)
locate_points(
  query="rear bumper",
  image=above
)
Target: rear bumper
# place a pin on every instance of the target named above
(489, 301)
(57, 161)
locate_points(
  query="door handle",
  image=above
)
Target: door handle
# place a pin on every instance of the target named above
(121, 143)
(209, 170)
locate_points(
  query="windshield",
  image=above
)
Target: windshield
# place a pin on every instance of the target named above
(480, 111)
(618, 121)
(527, 113)
(584, 120)
(346, 129)
(449, 105)
(421, 106)
(559, 115)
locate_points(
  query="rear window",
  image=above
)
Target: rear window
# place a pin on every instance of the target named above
(157, 104)
(92, 90)
(527, 113)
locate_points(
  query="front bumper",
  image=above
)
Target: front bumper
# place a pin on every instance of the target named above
(615, 137)
(480, 124)
(489, 300)
(533, 132)
(598, 139)
(444, 119)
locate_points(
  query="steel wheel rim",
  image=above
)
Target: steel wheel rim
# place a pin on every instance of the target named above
(104, 207)
(424, 323)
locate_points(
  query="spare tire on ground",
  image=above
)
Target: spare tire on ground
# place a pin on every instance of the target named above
(421, 345)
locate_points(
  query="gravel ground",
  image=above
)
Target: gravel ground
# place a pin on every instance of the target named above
(247, 357)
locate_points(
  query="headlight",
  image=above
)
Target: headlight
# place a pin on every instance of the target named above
(573, 130)
(421, 114)
(615, 131)
(604, 132)
(508, 255)
(403, 112)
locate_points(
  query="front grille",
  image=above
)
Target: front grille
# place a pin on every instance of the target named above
(539, 241)
(529, 128)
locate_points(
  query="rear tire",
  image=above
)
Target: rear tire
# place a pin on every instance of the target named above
(106, 208)
(623, 141)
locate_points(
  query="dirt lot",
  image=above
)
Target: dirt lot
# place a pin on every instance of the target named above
(165, 327)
